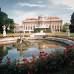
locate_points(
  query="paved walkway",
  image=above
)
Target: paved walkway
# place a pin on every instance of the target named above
(8, 40)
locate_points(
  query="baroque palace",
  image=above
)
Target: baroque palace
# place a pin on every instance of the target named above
(47, 24)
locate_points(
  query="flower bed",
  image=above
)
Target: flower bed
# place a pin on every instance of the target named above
(45, 64)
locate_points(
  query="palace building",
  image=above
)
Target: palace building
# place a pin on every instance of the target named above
(47, 24)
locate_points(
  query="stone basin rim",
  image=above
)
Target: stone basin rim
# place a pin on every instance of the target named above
(14, 40)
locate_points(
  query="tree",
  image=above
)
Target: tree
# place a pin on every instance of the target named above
(71, 27)
(65, 26)
(10, 25)
(4, 20)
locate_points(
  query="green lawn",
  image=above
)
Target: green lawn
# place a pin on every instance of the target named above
(72, 34)
(50, 34)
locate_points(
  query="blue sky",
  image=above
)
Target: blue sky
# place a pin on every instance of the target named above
(20, 9)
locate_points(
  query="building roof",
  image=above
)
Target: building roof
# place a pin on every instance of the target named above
(40, 18)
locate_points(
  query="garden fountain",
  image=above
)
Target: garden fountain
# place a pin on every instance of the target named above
(34, 56)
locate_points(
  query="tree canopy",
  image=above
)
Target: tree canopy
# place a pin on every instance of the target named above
(71, 27)
(8, 22)
(65, 26)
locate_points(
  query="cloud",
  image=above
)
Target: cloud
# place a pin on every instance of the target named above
(19, 16)
(20, 9)
(54, 9)
(31, 5)
(56, 2)
(69, 3)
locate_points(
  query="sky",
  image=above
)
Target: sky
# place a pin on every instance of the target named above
(19, 10)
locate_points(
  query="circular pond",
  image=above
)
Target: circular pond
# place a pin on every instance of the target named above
(27, 49)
